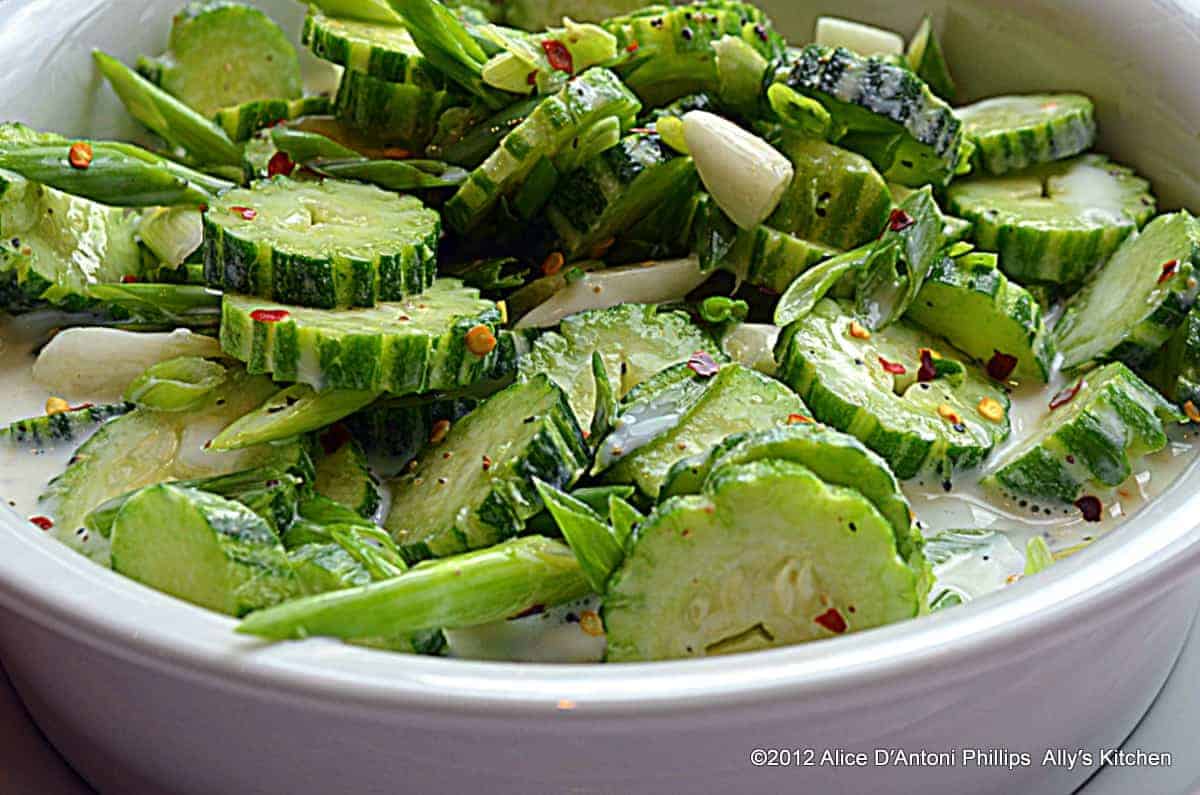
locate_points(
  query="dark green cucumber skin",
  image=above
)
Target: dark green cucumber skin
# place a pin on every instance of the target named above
(382, 62)
(65, 427)
(406, 113)
(243, 265)
(895, 94)
(770, 259)
(1002, 152)
(557, 454)
(400, 365)
(1175, 369)
(1091, 445)
(399, 429)
(613, 191)
(241, 122)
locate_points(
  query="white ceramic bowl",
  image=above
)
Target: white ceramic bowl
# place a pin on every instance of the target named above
(145, 694)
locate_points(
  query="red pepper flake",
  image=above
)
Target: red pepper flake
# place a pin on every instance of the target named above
(334, 438)
(269, 315)
(531, 78)
(438, 431)
(559, 56)
(1066, 396)
(553, 263)
(832, 620)
(895, 368)
(487, 463)
(80, 155)
(129, 278)
(798, 419)
(702, 364)
(1001, 365)
(632, 47)
(927, 371)
(1091, 508)
(82, 407)
(245, 213)
(899, 220)
(44, 522)
(1168, 270)
(280, 165)
(480, 340)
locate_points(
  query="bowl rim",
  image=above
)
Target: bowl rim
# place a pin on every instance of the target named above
(40, 579)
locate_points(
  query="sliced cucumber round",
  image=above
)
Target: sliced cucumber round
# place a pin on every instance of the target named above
(1131, 306)
(888, 113)
(1056, 222)
(475, 488)
(971, 303)
(660, 426)
(768, 556)
(612, 191)
(405, 114)
(344, 477)
(835, 457)
(675, 54)
(874, 386)
(201, 548)
(64, 427)
(635, 340)
(1114, 417)
(770, 259)
(1015, 132)
(323, 244)
(421, 344)
(240, 122)
(225, 53)
(836, 198)
(386, 52)
(595, 95)
(397, 429)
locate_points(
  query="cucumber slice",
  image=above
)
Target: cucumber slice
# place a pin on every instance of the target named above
(969, 301)
(835, 457)
(475, 488)
(1131, 306)
(420, 344)
(50, 430)
(836, 198)
(56, 262)
(240, 122)
(968, 564)
(855, 384)
(876, 101)
(675, 55)
(635, 340)
(406, 114)
(224, 53)
(383, 51)
(1055, 222)
(590, 98)
(1175, 370)
(767, 556)
(201, 548)
(925, 57)
(344, 477)
(612, 191)
(145, 447)
(398, 428)
(1012, 133)
(324, 244)
(1114, 417)
(662, 427)
(271, 493)
(295, 410)
(770, 259)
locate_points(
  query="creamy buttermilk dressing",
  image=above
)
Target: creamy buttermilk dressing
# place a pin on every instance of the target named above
(559, 634)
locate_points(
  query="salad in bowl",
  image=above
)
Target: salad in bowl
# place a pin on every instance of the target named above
(579, 334)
